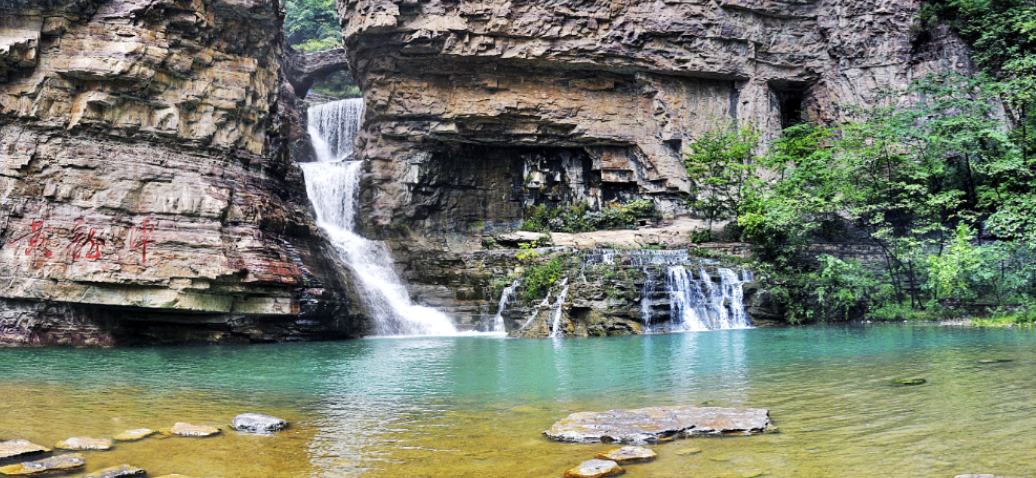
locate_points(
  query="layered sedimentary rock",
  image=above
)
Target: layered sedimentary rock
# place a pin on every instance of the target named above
(147, 189)
(477, 109)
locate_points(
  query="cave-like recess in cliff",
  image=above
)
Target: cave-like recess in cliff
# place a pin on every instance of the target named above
(466, 184)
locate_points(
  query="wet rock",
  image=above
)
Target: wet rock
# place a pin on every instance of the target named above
(688, 451)
(134, 435)
(628, 454)
(84, 443)
(70, 461)
(256, 422)
(595, 469)
(15, 448)
(653, 424)
(995, 360)
(116, 471)
(905, 382)
(188, 430)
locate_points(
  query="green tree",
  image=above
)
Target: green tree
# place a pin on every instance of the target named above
(312, 25)
(720, 164)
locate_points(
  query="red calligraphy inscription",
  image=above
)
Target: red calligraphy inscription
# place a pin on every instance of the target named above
(83, 238)
(37, 238)
(139, 237)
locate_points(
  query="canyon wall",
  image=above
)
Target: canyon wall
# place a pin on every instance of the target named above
(148, 193)
(478, 109)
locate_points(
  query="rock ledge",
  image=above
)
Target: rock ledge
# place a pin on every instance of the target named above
(649, 425)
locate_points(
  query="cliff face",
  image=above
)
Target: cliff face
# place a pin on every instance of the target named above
(147, 189)
(476, 109)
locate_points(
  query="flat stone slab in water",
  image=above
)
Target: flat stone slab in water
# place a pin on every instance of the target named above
(256, 422)
(84, 443)
(14, 448)
(628, 454)
(134, 435)
(70, 461)
(595, 469)
(648, 425)
(188, 430)
(116, 472)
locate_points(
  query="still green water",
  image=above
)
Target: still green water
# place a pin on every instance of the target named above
(475, 406)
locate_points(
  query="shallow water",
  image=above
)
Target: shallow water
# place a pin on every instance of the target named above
(475, 406)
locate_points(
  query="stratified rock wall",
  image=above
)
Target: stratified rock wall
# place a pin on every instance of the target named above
(146, 180)
(478, 108)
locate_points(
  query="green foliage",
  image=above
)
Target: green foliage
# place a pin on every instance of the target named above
(312, 25)
(527, 254)
(338, 84)
(582, 218)
(720, 165)
(539, 278)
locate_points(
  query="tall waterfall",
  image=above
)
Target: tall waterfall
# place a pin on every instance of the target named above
(333, 186)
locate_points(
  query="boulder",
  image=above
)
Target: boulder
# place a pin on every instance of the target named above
(134, 435)
(595, 469)
(15, 448)
(116, 471)
(628, 454)
(188, 430)
(650, 425)
(70, 461)
(84, 443)
(259, 423)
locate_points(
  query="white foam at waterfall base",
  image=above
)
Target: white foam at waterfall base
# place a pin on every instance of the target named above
(333, 188)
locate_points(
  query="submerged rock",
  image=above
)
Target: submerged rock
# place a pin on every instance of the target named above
(595, 469)
(15, 448)
(188, 430)
(653, 424)
(134, 435)
(904, 382)
(70, 461)
(996, 360)
(116, 471)
(688, 451)
(628, 454)
(84, 443)
(257, 422)
(174, 475)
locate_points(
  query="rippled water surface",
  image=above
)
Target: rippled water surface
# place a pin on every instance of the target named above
(475, 406)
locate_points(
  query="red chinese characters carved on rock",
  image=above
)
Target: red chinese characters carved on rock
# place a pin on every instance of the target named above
(139, 237)
(83, 238)
(37, 238)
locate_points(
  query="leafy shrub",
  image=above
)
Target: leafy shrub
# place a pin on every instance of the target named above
(539, 278)
(581, 218)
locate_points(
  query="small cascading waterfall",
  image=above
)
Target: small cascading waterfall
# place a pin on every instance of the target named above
(555, 328)
(702, 304)
(333, 186)
(505, 297)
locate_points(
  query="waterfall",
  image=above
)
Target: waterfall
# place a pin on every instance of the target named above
(555, 328)
(505, 297)
(702, 304)
(333, 187)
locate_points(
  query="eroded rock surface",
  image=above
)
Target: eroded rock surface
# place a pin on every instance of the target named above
(17, 448)
(256, 422)
(647, 425)
(628, 454)
(595, 469)
(84, 443)
(134, 435)
(148, 191)
(67, 462)
(116, 472)
(188, 430)
(478, 109)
